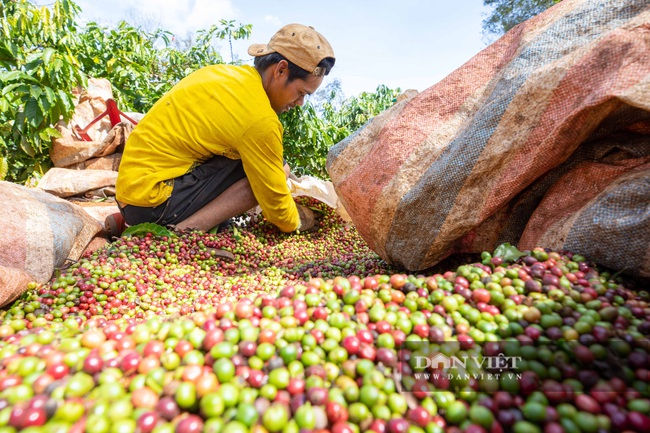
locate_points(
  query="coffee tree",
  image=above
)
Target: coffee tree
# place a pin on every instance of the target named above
(44, 55)
(311, 130)
(38, 69)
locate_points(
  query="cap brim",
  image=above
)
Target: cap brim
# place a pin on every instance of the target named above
(257, 50)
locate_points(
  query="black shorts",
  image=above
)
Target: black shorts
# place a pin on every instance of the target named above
(191, 192)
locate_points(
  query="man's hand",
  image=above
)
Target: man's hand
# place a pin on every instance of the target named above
(308, 221)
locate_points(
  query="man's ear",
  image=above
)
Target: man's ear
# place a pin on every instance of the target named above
(281, 68)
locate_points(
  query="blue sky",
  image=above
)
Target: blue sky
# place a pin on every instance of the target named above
(406, 44)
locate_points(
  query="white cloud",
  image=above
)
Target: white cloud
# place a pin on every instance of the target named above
(204, 13)
(177, 16)
(271, 19)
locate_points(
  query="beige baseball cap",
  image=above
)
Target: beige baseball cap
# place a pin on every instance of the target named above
(300, 44)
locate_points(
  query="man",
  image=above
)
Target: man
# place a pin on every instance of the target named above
(211, 148)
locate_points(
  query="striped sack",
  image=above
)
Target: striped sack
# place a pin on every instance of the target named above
(463, 165)
(40, 232)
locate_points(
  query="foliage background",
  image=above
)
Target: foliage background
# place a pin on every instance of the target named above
(506, 14)
(45, 54)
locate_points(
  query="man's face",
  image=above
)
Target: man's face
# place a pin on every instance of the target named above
(284, 95)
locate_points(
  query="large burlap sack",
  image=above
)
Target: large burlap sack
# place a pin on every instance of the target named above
(69, 151)
(606, 217)
(40, 233)
(463, 165)
(560, 196)
(70, 148)
(99, 210)
(64, 182)
(13, 283)
(110, 162)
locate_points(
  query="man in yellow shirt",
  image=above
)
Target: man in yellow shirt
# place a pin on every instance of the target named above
(211, 148)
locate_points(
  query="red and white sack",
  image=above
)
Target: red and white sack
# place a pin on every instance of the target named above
(68, 151)
(606, 216)
(40, 233)
(446, 170)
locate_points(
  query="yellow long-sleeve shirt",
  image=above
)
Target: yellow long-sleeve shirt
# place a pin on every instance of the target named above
(217, 110)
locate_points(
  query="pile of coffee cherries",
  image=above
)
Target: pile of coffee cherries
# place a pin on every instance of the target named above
(314, 332)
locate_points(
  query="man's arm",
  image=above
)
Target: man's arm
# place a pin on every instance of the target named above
(261, 152)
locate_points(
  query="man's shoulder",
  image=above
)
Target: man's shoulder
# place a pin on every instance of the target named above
(225, 70)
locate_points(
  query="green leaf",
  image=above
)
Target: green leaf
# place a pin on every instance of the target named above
(10, 75)
(33, 57)
(32, 113)
(48, 133)
(144, 228)
(37, 144)
(47, 55)
(26, 147)
(46, 108)
(16, 88)
(65, 102)
(51, 96)
(33, 65)
(315, 209)
(508, 253)
(19, 123)
(4, 168)
(36, 91)
(7, 55)
(57, 64)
